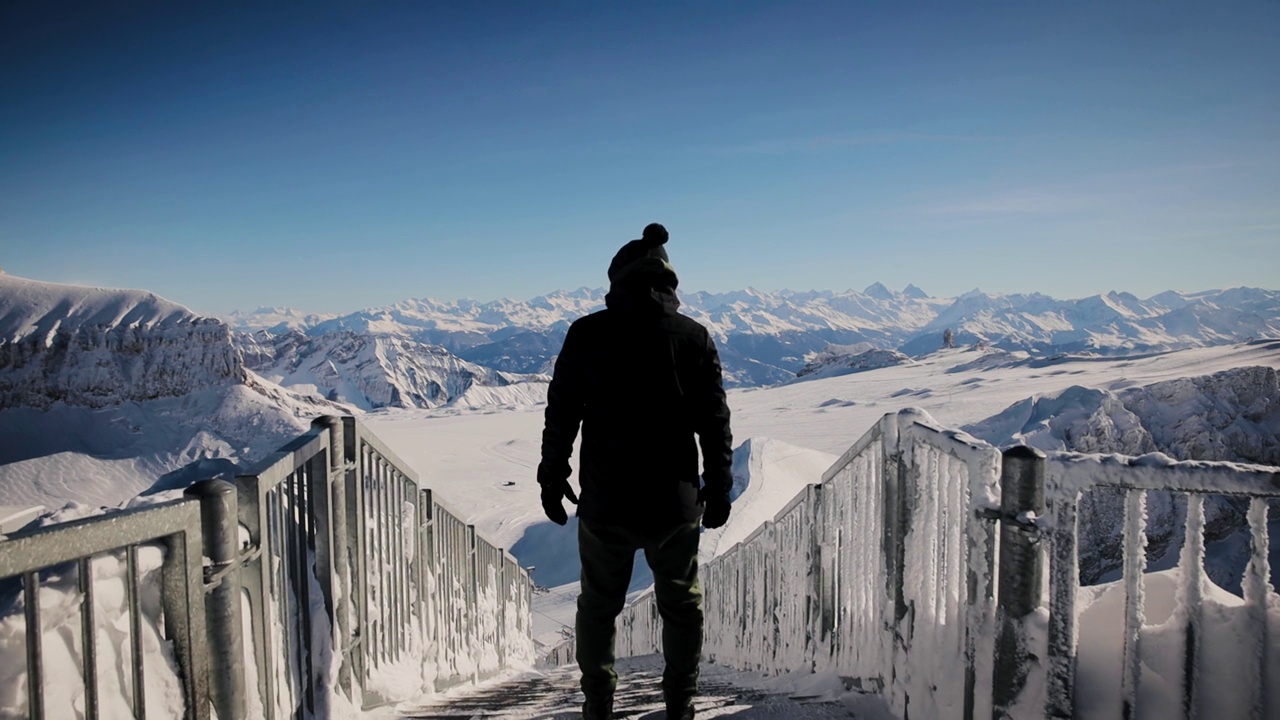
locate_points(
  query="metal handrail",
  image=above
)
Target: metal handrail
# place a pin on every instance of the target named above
(333, 511)
(27, 553)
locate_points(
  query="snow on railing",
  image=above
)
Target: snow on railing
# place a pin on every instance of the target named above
(421, 603)
(924, 551)
(881, 572)
(87, 602)
(357, 587)
(1186, 647)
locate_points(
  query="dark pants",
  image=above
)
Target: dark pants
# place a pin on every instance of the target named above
(608, 553)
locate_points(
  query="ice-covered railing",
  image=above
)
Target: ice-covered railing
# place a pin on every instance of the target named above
(882, 572)
(103, 592)
(417, 600)
(930, 568)
(1172, 644)
(353, 584)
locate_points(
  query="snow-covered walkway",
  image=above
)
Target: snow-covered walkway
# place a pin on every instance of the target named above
(554, 695)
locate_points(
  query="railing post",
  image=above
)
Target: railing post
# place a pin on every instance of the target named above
(354, 559)
(221, 534)
(1021, 493)
(336, 534)
(473, 625)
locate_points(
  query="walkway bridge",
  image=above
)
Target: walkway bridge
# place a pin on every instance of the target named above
(925, 568)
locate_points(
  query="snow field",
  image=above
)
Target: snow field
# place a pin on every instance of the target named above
(470, 456)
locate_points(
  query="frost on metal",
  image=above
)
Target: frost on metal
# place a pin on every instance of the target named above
(1168, 642)
(358, 587)
(881, 573)
(886, 572)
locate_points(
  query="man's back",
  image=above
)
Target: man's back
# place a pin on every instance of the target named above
(645, 384)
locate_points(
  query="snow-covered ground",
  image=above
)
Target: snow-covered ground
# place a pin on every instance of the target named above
(484, 461)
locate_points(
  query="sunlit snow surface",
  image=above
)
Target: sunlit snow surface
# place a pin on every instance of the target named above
(484, 460)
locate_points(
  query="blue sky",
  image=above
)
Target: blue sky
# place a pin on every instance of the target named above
(334, 156)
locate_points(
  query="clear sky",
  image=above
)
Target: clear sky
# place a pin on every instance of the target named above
(334, 156)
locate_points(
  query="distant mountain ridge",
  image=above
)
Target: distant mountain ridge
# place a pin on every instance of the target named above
(126, 385)
(372, 370)
(769, 337)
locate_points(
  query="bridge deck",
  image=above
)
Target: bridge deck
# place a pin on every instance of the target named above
(554, 695)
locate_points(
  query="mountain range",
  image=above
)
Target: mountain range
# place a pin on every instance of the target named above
(104, 391)
(766, 338)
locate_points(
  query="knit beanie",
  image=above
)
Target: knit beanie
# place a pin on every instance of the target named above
(642, 253)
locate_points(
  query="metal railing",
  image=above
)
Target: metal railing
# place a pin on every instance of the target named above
(69, 553)
(924, 551)
(1057, 484)
(357, 582)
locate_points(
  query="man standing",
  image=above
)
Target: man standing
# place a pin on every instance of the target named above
(642, 380)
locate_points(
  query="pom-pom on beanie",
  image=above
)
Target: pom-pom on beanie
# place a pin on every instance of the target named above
(634, 254)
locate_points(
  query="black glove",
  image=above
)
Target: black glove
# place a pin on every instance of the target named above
(716, 512)
(553, 494)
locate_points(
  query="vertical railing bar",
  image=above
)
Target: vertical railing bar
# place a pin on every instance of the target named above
(408, 534)
(1135, 542)
(368, 658)
(388, 561)
(413, 592)
(356, 546)
(274, 554)
(283, 587)
(379, 548)
(396, 557)
(295, 526)
(392, 523)
(35, 645)
(280, 588)
(305, 570)
(1064, 578)
(387, 613)
(1192, 591)
(135, 632)
(1257, 590)
(253, 513)
(370, 558)
(88, 631)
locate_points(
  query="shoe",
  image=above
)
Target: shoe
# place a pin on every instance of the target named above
(680, 711)
(598, 709)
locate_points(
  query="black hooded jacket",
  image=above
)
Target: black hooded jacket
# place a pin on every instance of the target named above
(642, 380)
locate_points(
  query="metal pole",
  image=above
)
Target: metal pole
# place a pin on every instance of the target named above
(221, 534)
(336, 539)
(1021, 492)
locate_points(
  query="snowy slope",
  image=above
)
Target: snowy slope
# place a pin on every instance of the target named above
(485, 461)
(373, 371)
(104, 393)
(95, 347)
